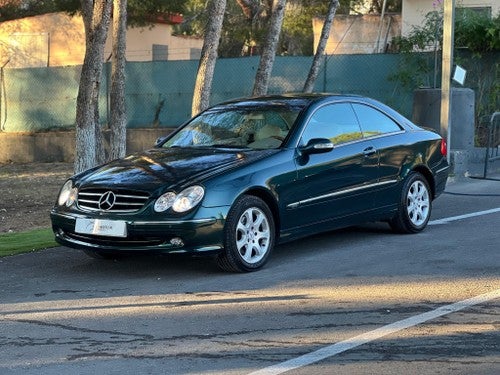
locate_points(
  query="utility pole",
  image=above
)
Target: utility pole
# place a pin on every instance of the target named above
(447, 66)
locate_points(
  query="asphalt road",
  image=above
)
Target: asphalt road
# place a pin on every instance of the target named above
(355, 301)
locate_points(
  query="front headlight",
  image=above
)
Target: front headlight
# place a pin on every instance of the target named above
(68, 193)
(182, 202)
(188, 198)
(164, 202)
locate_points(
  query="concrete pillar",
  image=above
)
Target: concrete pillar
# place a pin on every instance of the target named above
(426, 112)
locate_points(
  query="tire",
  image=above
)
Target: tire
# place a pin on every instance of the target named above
(249, 236)
(415, 205)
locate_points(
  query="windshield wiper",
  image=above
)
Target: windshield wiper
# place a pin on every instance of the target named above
(215, 145)
(227, 145)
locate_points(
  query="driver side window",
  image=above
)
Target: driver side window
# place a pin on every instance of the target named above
(336, 122)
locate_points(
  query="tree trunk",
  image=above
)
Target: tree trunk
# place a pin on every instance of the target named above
(325, 33)
(118, 138)
(206, 67)
(96, 15)
(269, 49)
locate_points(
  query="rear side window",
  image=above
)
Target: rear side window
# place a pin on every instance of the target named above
(373, 122)
(336, 122)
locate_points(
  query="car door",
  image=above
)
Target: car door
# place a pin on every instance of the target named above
(387, 136)
(336, 183)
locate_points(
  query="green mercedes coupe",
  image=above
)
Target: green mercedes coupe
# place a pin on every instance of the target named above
(248, 174)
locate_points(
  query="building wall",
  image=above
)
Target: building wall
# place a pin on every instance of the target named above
(358, 34)
(141, 40)
(414, 11)
(64, 39)
(58, 39)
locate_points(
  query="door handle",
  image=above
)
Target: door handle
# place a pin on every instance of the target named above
(369, 151)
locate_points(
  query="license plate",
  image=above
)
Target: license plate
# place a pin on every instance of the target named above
(111, 228)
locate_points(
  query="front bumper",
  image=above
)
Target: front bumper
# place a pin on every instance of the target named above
(169, 236)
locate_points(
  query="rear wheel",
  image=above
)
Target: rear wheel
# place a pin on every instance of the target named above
(415, 205)
(249, 236)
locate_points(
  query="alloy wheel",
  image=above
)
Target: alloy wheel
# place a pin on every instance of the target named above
(418, 203)
(253, 235)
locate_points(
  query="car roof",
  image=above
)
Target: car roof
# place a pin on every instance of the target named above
(309, 97)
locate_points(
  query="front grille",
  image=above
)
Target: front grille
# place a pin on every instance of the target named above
(129, 242)
(106, 200)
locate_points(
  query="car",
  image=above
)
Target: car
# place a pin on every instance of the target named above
(247, 174)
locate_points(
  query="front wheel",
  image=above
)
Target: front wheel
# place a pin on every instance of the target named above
(249, 236)
(415, 205)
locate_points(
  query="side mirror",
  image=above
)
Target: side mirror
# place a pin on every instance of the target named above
(317, 146)
(159, 140)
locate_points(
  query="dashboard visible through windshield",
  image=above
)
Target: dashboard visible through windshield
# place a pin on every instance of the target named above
(263, 127)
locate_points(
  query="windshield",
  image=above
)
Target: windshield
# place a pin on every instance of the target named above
(238, 126)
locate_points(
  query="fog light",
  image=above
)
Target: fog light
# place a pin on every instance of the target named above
(176, 241)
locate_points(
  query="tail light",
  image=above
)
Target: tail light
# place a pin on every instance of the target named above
(444, 148)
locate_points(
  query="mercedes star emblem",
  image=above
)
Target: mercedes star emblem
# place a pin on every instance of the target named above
(107, 201)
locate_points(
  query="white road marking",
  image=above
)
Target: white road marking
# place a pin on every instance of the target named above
(447, 220)
(364, 338)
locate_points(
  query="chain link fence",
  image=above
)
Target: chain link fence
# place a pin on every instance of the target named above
(159, 93)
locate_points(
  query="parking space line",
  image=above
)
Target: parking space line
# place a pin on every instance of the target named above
(447, 220)
(343, 346)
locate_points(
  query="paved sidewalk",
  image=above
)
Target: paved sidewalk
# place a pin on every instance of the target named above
(474, 185)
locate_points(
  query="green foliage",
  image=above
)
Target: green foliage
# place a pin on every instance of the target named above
(195, 18)
(244, 35)
(393, 6)
(297, 33)
(430, 33)
(375, 6)
(415, 71)
(140, 12)
(11, 10)
(476, 31)
(297, 37)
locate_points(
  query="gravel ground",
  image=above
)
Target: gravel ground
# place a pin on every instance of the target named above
(27, 193)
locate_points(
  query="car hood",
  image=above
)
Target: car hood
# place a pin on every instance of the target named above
(171, 168)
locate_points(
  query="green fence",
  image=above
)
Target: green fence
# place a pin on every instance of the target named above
(159, 94)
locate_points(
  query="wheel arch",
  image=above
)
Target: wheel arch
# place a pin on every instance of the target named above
(270, 201)
(426, 172)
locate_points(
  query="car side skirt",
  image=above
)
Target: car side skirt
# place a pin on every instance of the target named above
(377, 214)
(341, 192)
